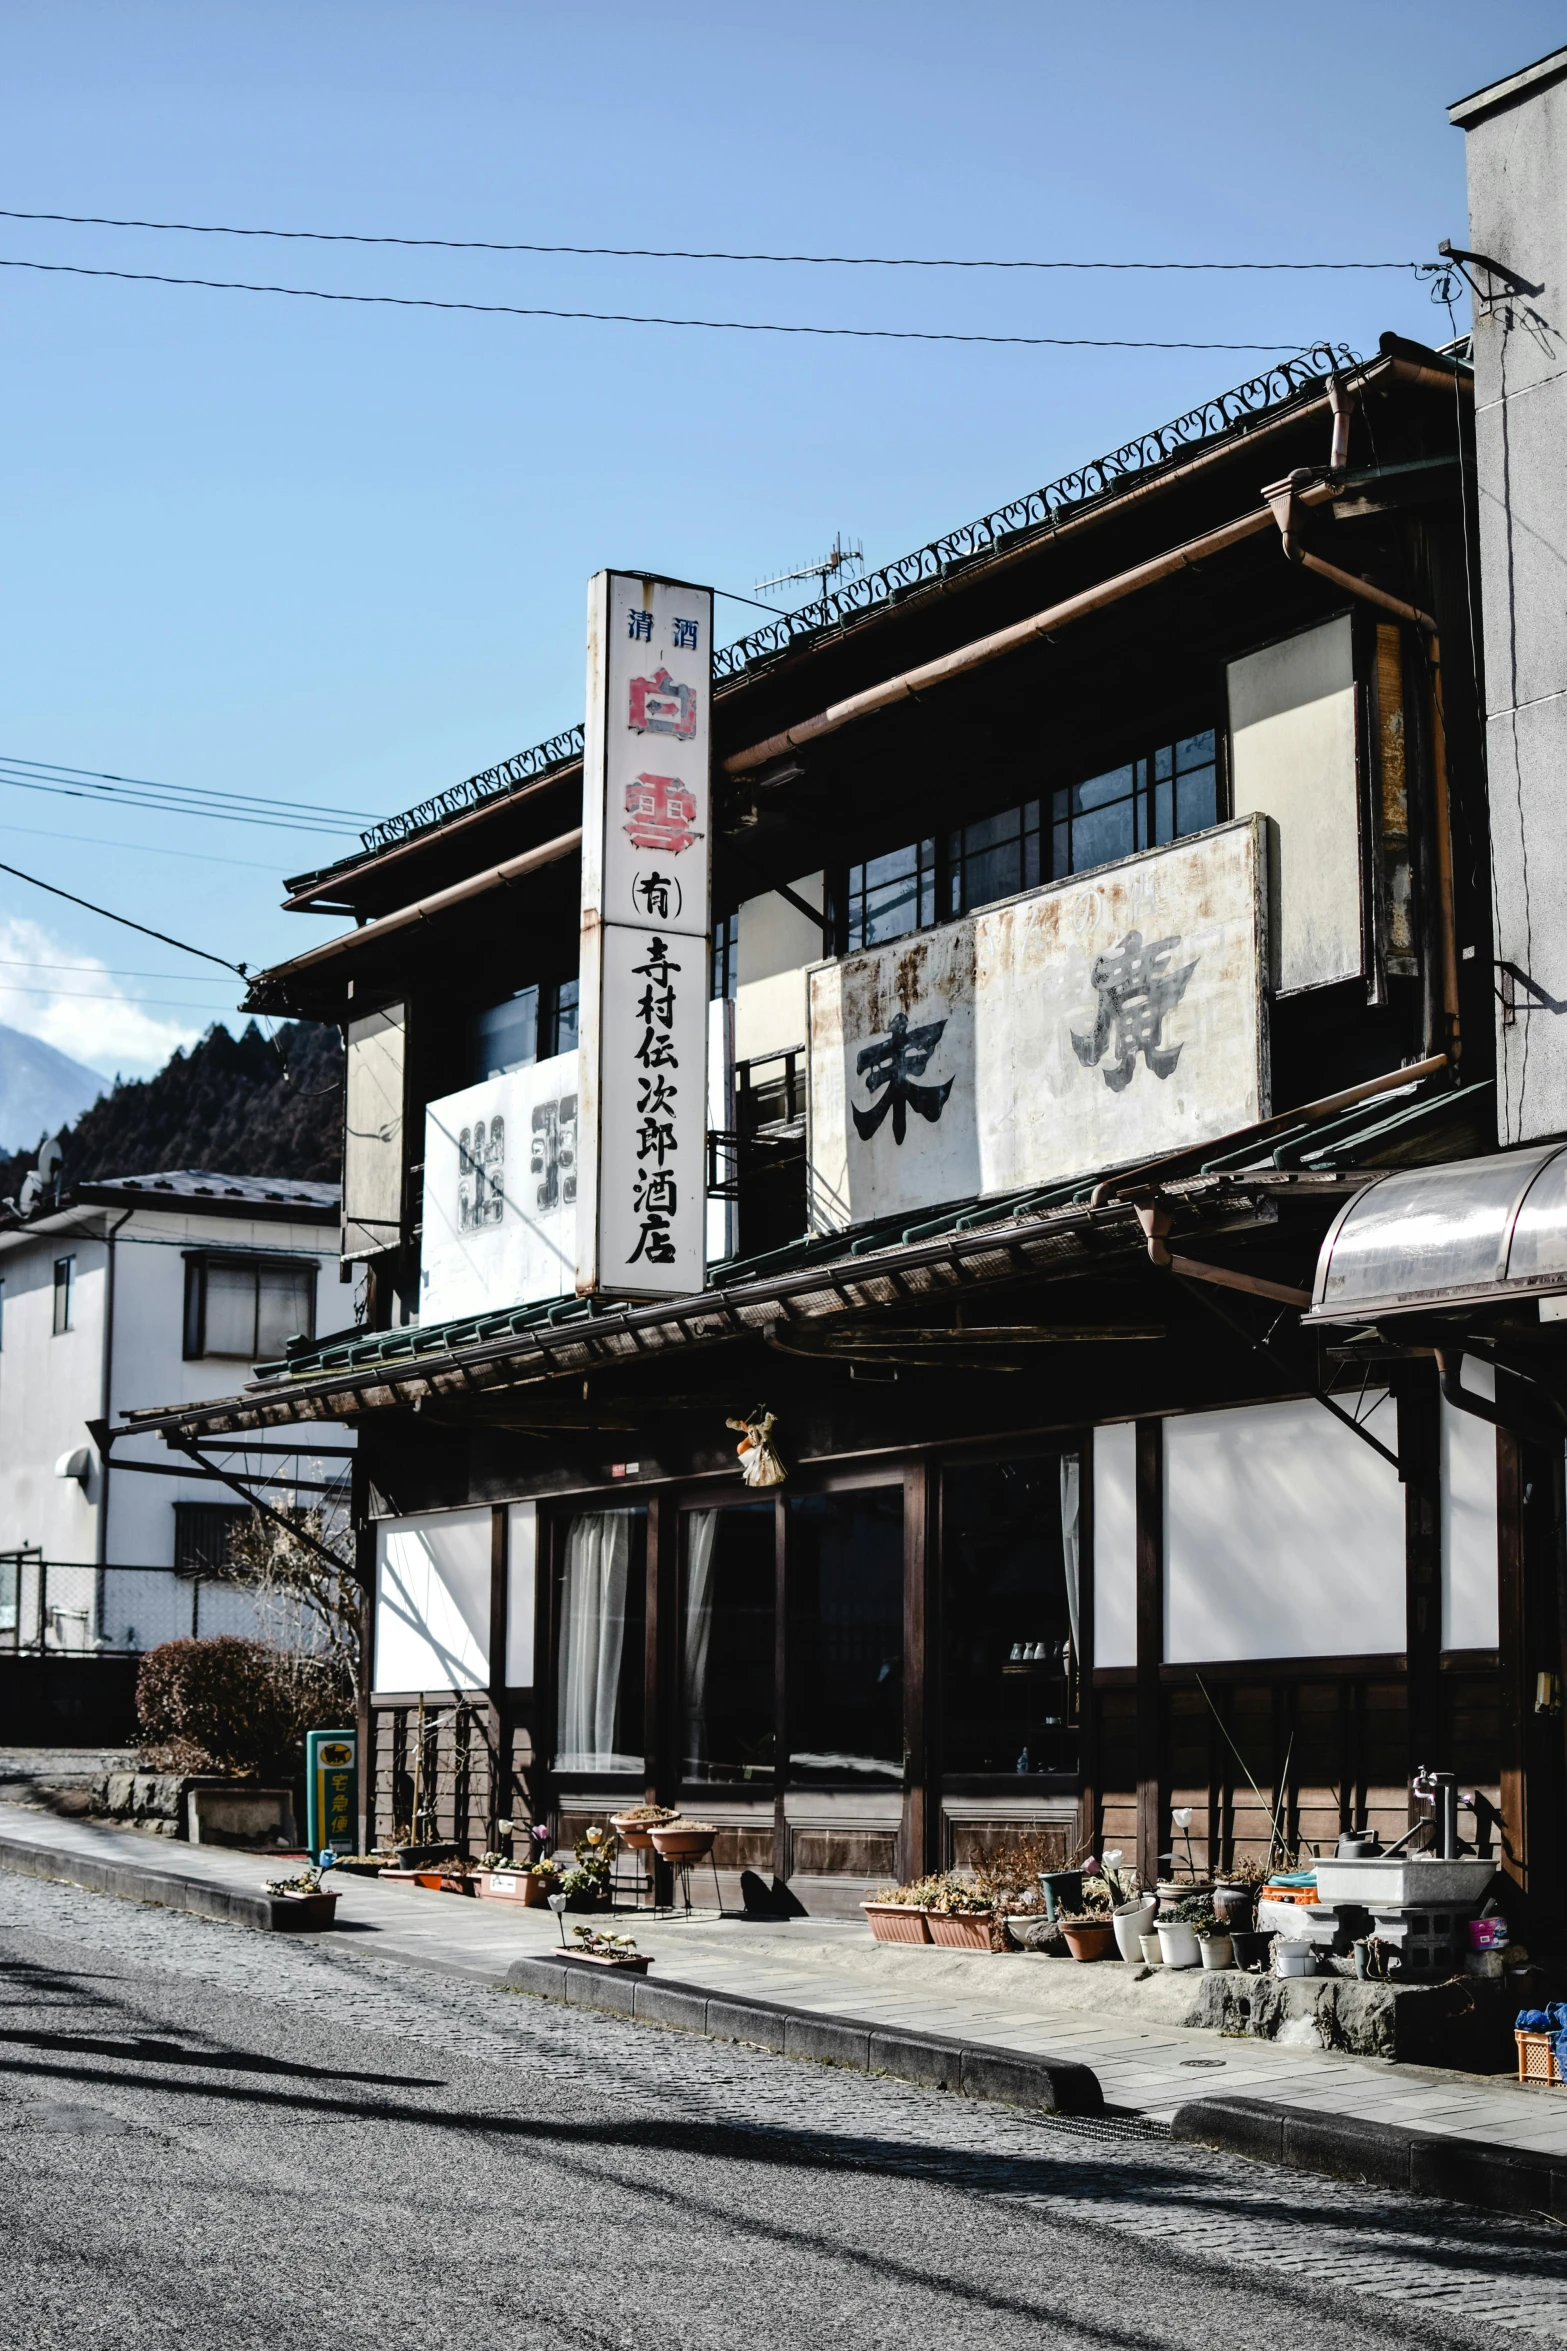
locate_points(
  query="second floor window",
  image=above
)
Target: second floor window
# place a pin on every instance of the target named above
(1171, 791)
(64, 1289)
(726, 954)
(247, 1307)
(892, 894)
(533, 1025)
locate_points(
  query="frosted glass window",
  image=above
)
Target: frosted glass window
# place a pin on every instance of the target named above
(231, 1310)
(432, 1602)
(1283, 1535)
(1115, 1545)
(522, 1555)
(1469, 1566)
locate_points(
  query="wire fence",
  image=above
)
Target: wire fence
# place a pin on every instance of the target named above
(73, 1608)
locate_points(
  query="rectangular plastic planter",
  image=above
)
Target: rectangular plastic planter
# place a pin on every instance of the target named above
(960, 1930)
(896, 1922)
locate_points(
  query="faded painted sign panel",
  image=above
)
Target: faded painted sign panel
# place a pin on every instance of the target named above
(500, 1192)
(1100, 1020)
(646, 839)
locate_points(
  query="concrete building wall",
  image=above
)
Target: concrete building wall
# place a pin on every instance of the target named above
(1517, 163)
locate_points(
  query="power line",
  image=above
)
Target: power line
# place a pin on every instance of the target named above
(38, 832)
(97, 971)
(109, 996)
(194, 228)
(632, 318)
(180, 945)
(45, 775)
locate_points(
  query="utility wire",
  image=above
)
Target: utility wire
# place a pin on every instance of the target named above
(194, 228)
(40, 832)
(632, 318)
(180, 945)
(196, 799)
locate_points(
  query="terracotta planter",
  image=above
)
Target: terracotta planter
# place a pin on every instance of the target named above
(1130, 1923)
(635, 1835)
(960, 1930)
(509, 1885)
(896, 1922)
(1091, 1942)
(677, 1843)
(303, 1914)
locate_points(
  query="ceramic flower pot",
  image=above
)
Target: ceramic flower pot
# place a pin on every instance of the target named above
(1217, 1952)
(680, 1842)
(1131, 1922)
(1178, 1943)
(960, 1930)
(1090, 1942)
(1152, 1950)
(1232, 1902)
(896, 1922)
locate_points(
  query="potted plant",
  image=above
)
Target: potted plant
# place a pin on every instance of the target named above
(1214, 1942)
(1177, 1931)
(958, 1915)
(683, 1840)
(1089, 1934)
(299, 1905)
(585, 1885)
(594, 1948)
(897, 1914)
(528, 1882)
(634, 1827)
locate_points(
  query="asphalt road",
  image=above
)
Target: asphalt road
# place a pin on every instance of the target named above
(210, 2138)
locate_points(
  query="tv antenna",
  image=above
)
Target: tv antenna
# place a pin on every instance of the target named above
(838, 560)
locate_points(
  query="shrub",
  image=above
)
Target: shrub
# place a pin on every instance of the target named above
(229, 1705)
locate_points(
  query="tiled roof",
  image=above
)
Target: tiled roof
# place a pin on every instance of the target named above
(209, 1185)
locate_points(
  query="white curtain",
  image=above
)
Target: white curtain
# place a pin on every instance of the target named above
(1071, 1538)
(701, 1529)
(593, 1633)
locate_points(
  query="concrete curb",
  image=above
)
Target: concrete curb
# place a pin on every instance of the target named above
(1387, 2154)
(134, 1882)
(1050, 2085)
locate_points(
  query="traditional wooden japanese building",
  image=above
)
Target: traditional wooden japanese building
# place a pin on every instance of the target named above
(1100, 905)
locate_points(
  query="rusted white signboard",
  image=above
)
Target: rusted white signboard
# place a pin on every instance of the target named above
(500, 1193)
(646, 837)
(1100, 1020)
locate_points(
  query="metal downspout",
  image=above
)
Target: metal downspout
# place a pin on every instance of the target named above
(105, 1407)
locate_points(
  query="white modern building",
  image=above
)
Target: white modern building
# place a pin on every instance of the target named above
(136, 1291)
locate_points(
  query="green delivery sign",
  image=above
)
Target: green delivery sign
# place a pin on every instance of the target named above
(331, 1777)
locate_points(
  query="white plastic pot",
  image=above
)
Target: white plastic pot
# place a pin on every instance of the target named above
(1178, 1944)
(1132, 1921)
(1216, 1952)
(1152, 1950)
(1294, 1959)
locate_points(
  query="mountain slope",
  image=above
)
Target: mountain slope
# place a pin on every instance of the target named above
(40, 1089)
(246, 1104)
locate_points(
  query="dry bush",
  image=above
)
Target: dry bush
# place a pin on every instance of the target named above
(234, 1706)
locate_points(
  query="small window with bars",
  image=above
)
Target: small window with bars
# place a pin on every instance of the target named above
(248, 1307)
(202, 1534)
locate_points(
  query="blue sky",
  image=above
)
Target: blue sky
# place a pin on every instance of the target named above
(339, 554)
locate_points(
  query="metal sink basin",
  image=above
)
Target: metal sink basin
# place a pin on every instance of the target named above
(1385, 1884)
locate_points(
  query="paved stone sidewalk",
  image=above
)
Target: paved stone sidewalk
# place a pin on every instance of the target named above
(1128, 2032)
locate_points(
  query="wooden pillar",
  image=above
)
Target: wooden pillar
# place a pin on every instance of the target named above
(1420, 1460)
(782, 1727)
(1153, 1802)
(921, 1828)
(499, 1728)
(363, 1539)
(1090, 1823)
(1514, 1693)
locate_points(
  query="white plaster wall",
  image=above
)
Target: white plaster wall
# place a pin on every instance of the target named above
(1470, 1596)
(1115, 1544)
(776, 946)
(1283, 1536)
(1517, 166)
(531, 1253)
(1292, 760)
(49, 1389)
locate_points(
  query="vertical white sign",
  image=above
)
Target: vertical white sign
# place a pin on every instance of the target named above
(646, 843)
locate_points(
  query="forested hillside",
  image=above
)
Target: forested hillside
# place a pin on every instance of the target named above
(248, 1105)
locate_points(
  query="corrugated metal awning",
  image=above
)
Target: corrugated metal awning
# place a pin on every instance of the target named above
(1472, 1232)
